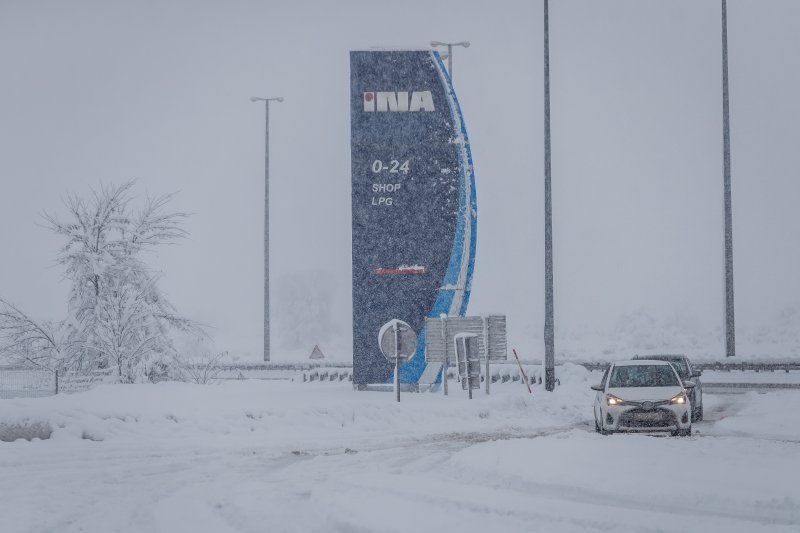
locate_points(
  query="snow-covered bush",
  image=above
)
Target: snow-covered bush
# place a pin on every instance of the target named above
(196, 362)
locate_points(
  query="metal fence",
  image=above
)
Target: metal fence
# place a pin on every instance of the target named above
(25, 382)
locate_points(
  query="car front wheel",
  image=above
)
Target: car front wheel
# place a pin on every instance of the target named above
(698, 415)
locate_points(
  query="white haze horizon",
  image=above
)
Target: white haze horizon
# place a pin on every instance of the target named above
(105, 92)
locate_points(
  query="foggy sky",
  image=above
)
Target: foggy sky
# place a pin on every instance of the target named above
(108, 91)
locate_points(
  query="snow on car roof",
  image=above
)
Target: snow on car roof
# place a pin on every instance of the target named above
(639, 362)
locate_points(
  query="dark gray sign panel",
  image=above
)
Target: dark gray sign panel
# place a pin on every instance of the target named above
(413, 202)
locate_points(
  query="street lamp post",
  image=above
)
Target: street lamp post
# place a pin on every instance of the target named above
(549, 322)
(450, 46)
(266, 218)
(730, 330)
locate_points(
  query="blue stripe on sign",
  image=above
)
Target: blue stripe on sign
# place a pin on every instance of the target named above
(412, 371)
(466, 177)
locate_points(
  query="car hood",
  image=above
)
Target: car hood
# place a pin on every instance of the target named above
(638, 394)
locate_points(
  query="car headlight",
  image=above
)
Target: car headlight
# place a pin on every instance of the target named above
(680, 399)
(613, 400)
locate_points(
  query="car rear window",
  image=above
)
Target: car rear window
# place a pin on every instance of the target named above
(643, 376)
(678, 362)
(680, 366)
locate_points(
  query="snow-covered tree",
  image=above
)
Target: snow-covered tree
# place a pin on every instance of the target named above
(129, 326)
(117, 317)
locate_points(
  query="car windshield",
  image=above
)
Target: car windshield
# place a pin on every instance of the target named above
(643, 376)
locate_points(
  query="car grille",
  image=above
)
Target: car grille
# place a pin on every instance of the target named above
(651, 404)
(641, 418)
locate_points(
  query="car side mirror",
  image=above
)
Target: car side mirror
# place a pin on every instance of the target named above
(688, 384)
(598, 388)
(697, 373)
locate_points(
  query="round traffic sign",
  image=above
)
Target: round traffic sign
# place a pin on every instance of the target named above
(398, 341)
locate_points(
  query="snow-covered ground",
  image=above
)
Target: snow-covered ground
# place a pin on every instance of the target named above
(254, 456)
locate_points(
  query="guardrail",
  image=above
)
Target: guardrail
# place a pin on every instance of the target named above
(755, 367)
(785, 366)
(716, 386)
(17, 382)
(768, 366)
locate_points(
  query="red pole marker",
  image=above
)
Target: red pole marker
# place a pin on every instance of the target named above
(524, 377)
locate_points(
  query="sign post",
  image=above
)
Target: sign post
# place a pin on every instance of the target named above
(446, 359)
(469, 362)
(398, 344)
(486, 343)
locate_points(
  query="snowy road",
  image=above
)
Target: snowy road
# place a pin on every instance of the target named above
(205, 459)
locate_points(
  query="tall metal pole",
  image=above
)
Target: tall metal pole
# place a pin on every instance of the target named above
(730, 334)
(266, 231)
(549, 324)
(266, 220)
(486, 350)
(450, 61)
(446, 362)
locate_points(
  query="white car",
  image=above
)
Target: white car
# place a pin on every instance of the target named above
(642, 395)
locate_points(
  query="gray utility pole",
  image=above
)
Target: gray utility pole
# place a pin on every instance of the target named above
(549, 324)
(730, 332)
(266, 219)
(450, 46)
